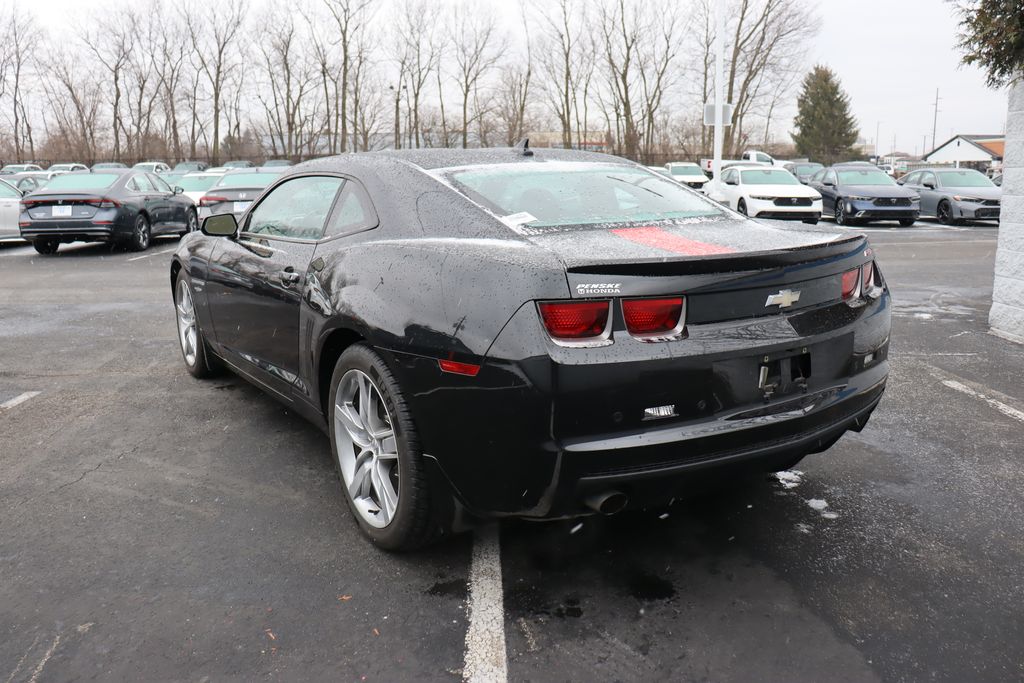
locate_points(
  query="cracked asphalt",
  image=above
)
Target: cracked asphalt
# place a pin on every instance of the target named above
(155, 527)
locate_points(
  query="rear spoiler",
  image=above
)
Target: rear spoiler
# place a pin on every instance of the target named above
(716, 263)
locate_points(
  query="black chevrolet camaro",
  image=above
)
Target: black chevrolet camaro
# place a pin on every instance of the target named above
(496, 333)
(126, 207)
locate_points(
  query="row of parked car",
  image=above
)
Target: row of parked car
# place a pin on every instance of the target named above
(852, 193)
(129, 206)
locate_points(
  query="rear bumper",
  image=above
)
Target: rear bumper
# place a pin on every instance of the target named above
(74, 230)
(532, 438)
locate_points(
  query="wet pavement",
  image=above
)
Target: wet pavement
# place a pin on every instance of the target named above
(154, 527)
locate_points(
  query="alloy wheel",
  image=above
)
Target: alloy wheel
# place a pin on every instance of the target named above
(367, 448)
(186, 314)
(944, 213)
(193, 222)
(840, 215)
(141, 233)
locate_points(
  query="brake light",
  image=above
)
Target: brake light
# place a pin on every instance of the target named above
(575, 320)
(652, 317)
(211, 199)
(851, 284)
(103, 203)
(868, 279)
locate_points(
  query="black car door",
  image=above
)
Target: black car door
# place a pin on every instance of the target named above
(172, 205)
(827, 189)
(150, 199)
(256, 281)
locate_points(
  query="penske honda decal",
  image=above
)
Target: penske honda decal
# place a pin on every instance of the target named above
(598, 288)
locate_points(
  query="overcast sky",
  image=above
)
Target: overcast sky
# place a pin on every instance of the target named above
(890, 55)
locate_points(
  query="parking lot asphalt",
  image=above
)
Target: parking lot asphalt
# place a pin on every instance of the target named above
(156, 527)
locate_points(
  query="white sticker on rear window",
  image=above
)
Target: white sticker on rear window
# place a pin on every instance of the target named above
(516, 219)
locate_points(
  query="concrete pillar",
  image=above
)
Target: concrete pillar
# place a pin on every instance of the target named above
(1007, 314)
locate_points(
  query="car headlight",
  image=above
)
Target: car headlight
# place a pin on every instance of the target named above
(858, 198)
(963, 198)
(762, 198)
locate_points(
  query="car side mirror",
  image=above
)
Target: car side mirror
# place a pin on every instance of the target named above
(731, 182)
(178, 189)
(220, 225)
(929, 184)
(828, 183)
(900, 181)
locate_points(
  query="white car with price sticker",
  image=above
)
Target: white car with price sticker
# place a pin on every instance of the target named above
(768, 192)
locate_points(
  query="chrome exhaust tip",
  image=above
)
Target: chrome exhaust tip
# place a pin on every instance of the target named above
(607, 502)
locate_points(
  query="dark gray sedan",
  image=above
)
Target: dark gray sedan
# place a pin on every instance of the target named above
(953, 195)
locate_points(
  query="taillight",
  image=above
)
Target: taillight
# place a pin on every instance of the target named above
(211, 199)
(851, 284)
(868, 279)
(457, 368)
(103, 203)
(653, 317)
(575, 321)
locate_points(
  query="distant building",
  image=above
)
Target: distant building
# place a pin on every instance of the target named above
(974, 151)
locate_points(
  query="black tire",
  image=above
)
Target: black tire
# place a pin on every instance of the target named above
(840, 215)
(741, 207)
(907, 222)
(944, 213)
(141, 234)
(415, 522)
(46, 246)
(204, 364)
(191, 222)
(813, 219)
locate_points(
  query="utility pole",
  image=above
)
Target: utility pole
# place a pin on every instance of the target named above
(935, 117)
(716, 162)
(878, 129)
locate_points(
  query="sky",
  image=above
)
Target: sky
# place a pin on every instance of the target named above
(890, 56)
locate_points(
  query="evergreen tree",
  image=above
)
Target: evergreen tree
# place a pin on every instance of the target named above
(992, 37)
(825, 128)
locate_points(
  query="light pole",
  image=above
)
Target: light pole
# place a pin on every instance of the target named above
(716, 162)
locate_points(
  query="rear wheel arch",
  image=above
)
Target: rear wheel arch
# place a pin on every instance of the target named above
(175, 269)
(333, 346)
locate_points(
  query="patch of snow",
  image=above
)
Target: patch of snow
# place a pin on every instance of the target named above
(817, 504)
(803, 528)
(789, 479)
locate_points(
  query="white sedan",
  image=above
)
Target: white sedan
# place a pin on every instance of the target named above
(767, 192)
(196, 184)
(10, 210)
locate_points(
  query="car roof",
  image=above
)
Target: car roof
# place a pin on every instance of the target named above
(429, 159)
(934, 169)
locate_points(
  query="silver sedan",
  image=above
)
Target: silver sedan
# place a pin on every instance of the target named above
(10, 210)
(953, 195)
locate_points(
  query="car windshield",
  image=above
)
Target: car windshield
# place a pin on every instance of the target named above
(807, 169)
(867, 176)
(83, 181)
(197, 183)
(687, 170)
(768, 176)
(578, 194)
(964, 179)
(247, 179)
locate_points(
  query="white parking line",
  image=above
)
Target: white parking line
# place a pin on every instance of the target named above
(153, 253)
(485, 640)
(1005, 409)
(18, 400)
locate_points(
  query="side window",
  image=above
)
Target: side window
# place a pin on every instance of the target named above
(763, 158)
(353, 213)
(830, 176)
(928, 178)
(913, 178)
(296, 208)
(159, 183)
(131, 185)
(143, 183)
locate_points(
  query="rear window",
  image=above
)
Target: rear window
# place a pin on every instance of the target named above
(197, 183)
(872, 176)
(768, 177)
(554, 194)
(247, 179)
(83, 181)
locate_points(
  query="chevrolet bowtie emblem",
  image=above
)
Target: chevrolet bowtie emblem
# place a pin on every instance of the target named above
(784, 299)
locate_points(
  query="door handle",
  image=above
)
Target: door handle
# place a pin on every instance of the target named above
(289, 277)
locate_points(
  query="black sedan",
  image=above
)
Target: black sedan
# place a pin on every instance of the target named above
(859, 193)
(494, 333)
(126, 207)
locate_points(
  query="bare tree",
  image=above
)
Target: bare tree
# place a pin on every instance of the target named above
(348, 16)
(476, 52)
(289, 78)
(214, 30)
(21, 38)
